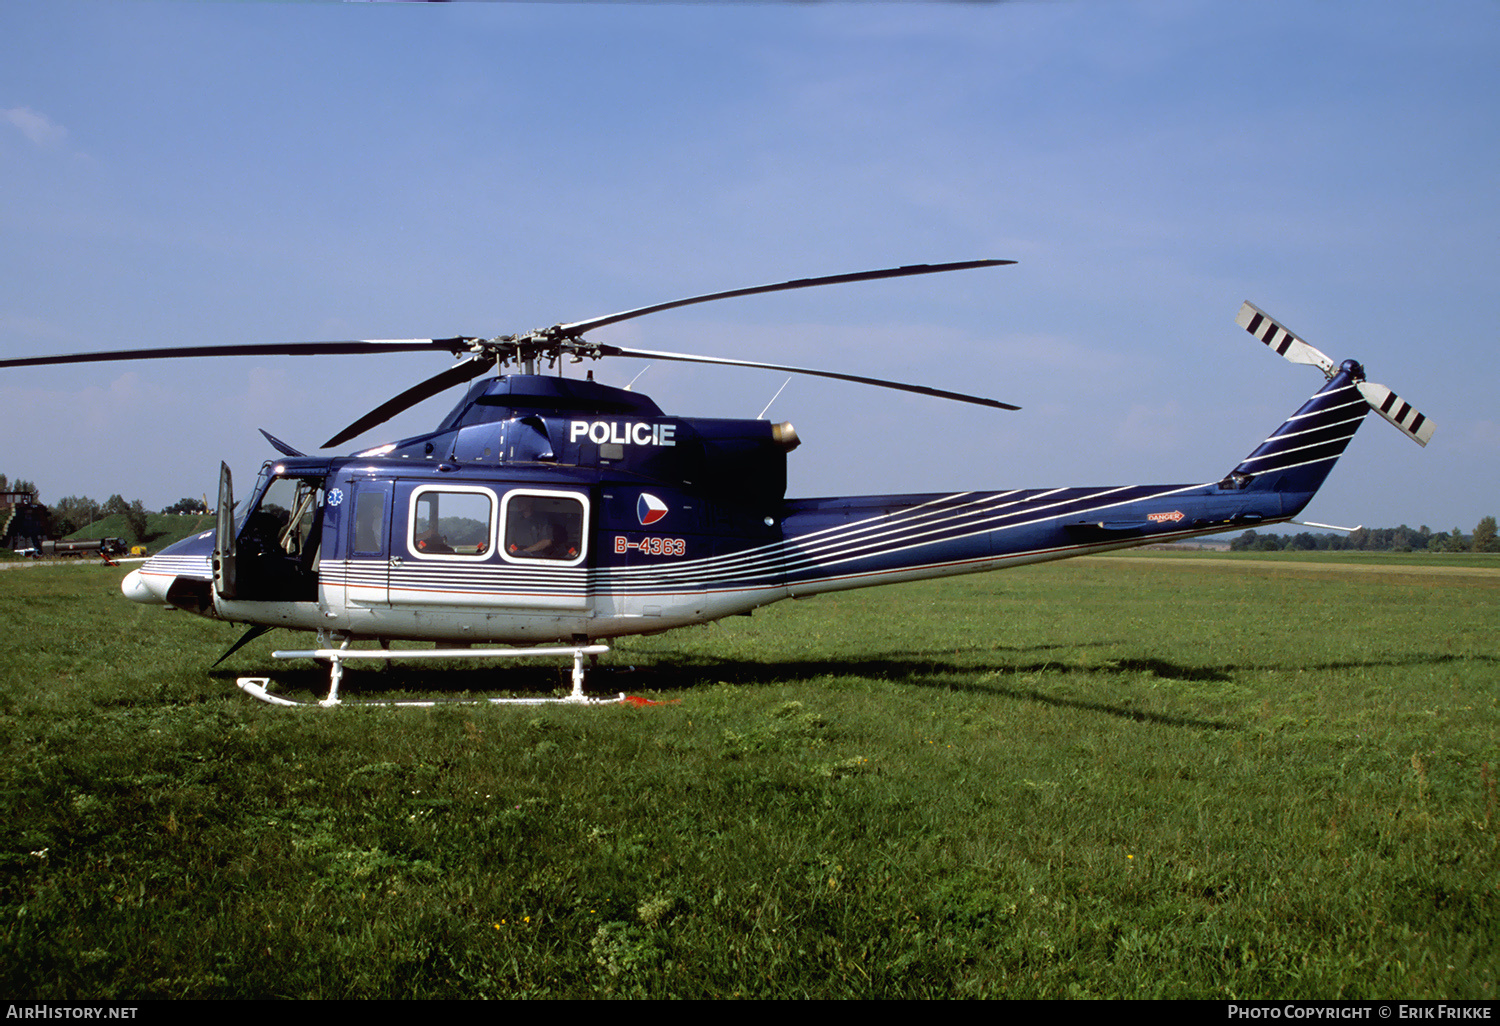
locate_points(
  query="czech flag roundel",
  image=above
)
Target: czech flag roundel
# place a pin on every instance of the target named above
(649, 509)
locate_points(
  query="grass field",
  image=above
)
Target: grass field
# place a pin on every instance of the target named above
(1162, 776)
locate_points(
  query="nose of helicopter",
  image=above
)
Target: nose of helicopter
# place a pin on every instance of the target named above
(138, 588)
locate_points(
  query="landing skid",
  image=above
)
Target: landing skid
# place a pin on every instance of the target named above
(257, 687)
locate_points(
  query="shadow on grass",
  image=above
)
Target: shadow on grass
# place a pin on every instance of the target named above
(974, 670)
(925, 670)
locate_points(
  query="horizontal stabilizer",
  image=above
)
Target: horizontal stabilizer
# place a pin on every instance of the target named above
(1260, 324)
(1396, 410)
(1329, 527)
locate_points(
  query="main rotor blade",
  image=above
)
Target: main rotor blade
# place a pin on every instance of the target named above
(464, 370)
(353, 347)
(579, 327)
(652, 354)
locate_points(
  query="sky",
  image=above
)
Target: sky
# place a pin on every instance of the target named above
(193, 174)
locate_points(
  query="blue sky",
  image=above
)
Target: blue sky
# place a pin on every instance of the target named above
(220, 173)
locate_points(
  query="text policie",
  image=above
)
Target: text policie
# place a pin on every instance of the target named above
(603, 432)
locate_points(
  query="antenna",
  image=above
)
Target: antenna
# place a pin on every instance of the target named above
(632, 380)
(785, 383)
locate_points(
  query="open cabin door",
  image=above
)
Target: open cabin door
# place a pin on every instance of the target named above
(224, 556)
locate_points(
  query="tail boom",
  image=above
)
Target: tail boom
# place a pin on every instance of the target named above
(839, 543)
(856, 542)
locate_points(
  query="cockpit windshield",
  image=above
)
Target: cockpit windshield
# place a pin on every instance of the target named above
(283, 519)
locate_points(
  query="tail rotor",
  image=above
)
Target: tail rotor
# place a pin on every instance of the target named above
(1412, 423)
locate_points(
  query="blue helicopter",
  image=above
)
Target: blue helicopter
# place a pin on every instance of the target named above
(545, 515)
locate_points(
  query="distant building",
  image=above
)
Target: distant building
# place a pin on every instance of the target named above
(23, 520)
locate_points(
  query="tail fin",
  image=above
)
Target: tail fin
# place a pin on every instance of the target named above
(1299, 454)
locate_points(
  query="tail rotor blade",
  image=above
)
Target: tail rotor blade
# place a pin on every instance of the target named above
(1398, 411)
(1260, 324)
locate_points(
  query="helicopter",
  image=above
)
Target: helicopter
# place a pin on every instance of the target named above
(546, 515)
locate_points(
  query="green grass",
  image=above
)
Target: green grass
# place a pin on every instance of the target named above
(1106, 778)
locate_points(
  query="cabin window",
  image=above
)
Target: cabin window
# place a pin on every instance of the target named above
(452, 523)
(544, 526)
(369, 518)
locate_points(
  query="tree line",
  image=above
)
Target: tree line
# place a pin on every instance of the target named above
(1377, 539)
(75, 512)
